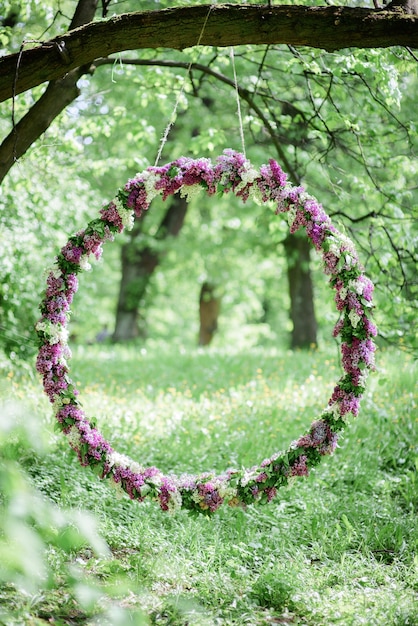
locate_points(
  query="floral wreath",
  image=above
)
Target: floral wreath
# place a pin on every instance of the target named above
(206, 492)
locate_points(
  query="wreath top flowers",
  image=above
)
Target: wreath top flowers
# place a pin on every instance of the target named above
(206, 492)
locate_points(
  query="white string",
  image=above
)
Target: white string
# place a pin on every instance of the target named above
(241, 128)
(180, 93)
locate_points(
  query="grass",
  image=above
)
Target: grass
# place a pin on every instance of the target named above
(337, 548)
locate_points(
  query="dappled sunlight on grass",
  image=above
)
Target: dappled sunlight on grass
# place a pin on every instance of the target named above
(216, 409)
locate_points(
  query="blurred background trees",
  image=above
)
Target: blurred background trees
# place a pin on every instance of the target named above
(343, 125)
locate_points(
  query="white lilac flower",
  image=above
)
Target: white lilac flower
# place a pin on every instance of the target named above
(363, 378)
(256, 195)
(119, 460)
(343, 293)
(149, 179)
(126, 215)
(73, 437)
(354, 318)
(249, 474)
(56, 332)
(84, 263)
(248, 176)
(291, 216)
(334, 410)
(156, 480)
(175, 501)
(190, 191)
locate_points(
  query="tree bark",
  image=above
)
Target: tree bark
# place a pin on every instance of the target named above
(330, 28)
(138, 265)
(302, 313)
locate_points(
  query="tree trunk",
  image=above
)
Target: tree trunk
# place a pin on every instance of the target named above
(138, 265)
(302, 313)
(209, 307)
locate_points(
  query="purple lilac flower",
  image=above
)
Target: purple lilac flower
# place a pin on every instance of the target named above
(299, 222)
(55, 286)
(52, 385)
(93, 244)
(359, 351)
(369, 327)
(167, 488)
(71, 281)
(271, 493)
(69, 412)
(354, 304)
(272, 182)
(48, 357)
(299, 467)
(330, 263)
(110, 214)
(72, 253)
(210, 498)
(137, 198)
(348, 401)
(320, 437)
(198, 171)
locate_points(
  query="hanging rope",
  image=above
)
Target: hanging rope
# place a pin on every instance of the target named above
(241, 128)
(180, 93)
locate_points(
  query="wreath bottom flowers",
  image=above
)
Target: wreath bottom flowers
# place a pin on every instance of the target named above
(206, 492)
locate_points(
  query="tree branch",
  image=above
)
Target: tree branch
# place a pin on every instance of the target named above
(58, 95)
(330, 28)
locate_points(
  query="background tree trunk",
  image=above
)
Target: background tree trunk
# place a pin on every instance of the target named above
(302, 312)
(209, 307)
(138, 265)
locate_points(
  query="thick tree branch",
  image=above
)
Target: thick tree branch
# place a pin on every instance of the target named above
(58, 95)
(329, 28)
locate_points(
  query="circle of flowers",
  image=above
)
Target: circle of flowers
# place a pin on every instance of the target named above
(206, 492)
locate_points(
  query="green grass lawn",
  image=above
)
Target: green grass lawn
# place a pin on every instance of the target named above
(339, 547)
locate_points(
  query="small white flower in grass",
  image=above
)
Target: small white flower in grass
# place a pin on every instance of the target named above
(354, 318)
